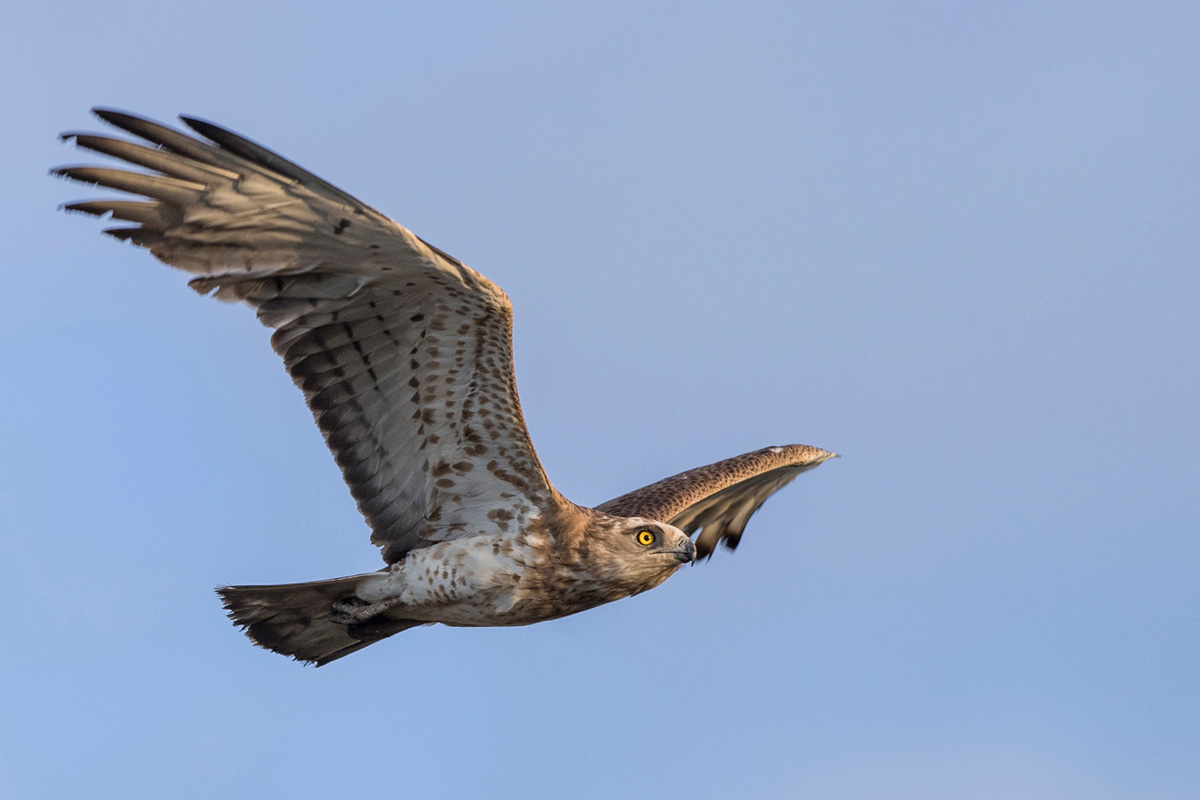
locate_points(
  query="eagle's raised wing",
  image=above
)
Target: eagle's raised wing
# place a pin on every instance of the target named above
(403, 353)
(719, 499)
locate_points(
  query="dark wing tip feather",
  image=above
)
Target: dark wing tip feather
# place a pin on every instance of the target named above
(257, 154)
(81, 207)
(131, 123)
(120, 119)
(139, 235)
(251, 151)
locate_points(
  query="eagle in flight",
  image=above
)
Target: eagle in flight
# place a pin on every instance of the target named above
(404, 355)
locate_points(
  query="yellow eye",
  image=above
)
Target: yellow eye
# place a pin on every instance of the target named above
(646, 538)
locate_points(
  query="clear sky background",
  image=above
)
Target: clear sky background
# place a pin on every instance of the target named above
(955, 242)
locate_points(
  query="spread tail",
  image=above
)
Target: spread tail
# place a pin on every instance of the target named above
(294, 618)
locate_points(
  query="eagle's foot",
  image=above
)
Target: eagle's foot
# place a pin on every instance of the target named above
(353, 611)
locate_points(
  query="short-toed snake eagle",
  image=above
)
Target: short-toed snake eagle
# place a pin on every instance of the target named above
(404, 355)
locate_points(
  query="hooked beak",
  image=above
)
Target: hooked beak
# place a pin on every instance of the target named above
(686, 552)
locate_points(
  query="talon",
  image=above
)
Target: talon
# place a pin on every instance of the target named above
(350, 611)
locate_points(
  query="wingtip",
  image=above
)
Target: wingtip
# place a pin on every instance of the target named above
(811, 455)
(112, 115)
(819, 455)
(79, 207)
(66, 172)
(202, 126)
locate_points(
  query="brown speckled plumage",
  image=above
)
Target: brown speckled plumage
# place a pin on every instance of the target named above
(404, 356)
(719, 499)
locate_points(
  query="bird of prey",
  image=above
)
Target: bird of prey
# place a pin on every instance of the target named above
(404, 355)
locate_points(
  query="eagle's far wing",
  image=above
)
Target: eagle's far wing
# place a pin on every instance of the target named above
(404, 354)
(719, 499)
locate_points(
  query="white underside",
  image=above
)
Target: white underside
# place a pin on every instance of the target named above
(471, 581)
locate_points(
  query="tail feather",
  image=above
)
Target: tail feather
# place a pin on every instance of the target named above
(293, 619)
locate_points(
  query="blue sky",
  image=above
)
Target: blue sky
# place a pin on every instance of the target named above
(956, 243)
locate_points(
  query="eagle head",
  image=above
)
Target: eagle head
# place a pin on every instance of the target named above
(629, 555)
